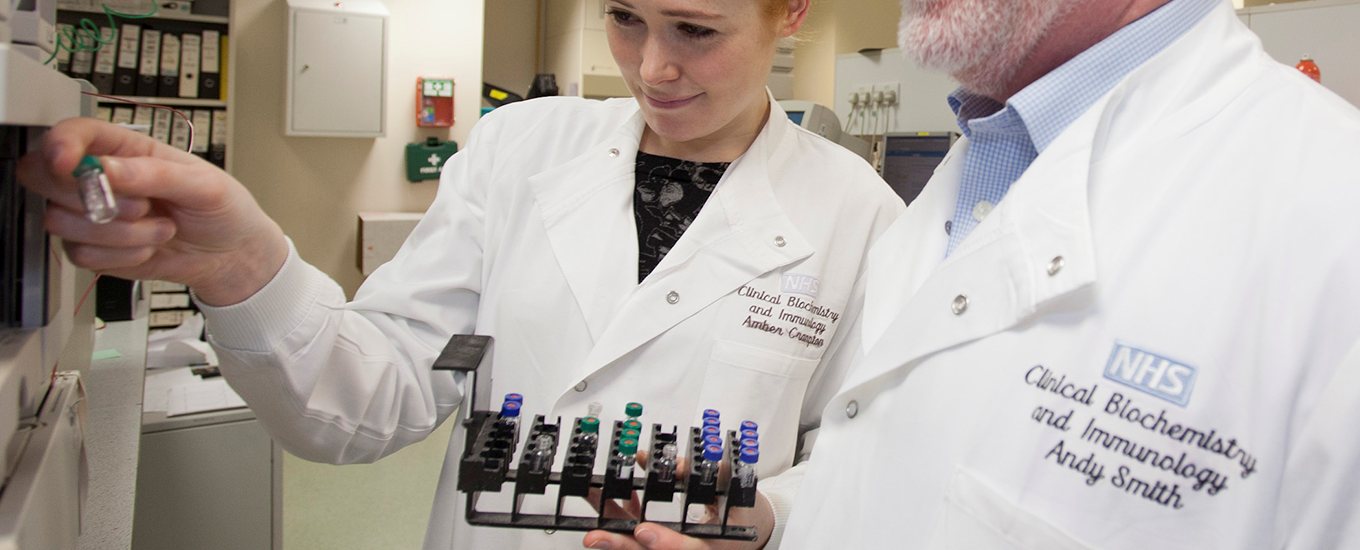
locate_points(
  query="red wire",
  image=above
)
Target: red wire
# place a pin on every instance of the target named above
(81, 303)
(177, 112)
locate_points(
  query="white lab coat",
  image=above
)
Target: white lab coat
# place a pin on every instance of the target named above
(532, 241)
(1209, 278)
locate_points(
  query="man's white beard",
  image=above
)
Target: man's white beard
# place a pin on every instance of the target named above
(982, 43)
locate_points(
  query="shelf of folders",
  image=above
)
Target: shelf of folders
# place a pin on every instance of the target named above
(160, 72)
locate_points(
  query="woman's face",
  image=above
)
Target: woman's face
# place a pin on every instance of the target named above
(698, 69)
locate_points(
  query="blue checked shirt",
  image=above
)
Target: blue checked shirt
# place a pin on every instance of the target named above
(1005, 139)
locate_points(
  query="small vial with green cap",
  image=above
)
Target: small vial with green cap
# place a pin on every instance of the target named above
(633, 410)
(632, 425)
(590, 431)
(95, 193)
(628, 451)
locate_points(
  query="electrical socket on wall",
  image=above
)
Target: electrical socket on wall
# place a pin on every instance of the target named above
(892, 92)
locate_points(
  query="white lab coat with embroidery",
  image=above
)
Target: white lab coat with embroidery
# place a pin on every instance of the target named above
(1191, 239)
(532, 241)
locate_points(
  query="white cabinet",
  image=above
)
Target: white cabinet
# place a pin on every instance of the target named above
(337, 68)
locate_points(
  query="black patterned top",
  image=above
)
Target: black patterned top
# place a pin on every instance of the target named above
(667, 196)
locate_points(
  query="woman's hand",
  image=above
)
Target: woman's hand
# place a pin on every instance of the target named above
(650, 536)
(180, 218)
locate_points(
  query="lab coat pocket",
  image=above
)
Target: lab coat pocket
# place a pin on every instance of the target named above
(977, 516)
(746, 382)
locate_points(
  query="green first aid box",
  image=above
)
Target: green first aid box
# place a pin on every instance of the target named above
(424, 160)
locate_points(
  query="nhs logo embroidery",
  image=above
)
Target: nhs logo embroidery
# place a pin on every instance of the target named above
(807, 285)
(1150, 373)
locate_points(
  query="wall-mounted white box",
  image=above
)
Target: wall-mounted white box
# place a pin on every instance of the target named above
(381, 235)
(337, 68)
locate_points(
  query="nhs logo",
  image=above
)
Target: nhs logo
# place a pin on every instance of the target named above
(807, 285)
(1150, 373)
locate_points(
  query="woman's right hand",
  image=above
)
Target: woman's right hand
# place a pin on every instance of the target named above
(180, 218)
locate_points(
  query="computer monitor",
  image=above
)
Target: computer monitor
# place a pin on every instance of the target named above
(823, 121)
(910, 158)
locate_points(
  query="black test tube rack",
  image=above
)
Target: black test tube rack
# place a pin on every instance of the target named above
(492, 445)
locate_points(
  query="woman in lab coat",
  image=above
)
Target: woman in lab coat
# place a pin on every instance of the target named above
(575, 232)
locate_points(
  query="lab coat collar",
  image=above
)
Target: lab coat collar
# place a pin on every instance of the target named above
(1034, 254)
(586, 207)
(741, 233)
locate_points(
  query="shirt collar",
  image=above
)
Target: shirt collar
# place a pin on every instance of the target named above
(1048, 105)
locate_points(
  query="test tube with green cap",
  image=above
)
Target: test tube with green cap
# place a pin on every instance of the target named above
(590, 431)
(95, 193)
(633, 410)
(628, 451)
(632, 425)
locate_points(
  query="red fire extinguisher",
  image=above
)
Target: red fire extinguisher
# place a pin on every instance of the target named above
(1308, 67)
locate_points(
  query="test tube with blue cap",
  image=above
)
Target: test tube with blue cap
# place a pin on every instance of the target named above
(710, 464)
(710, 433)
(745, 472)
(510, 412)
(712, 440)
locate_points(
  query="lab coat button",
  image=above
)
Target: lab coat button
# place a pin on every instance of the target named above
(852, 409)
(779, 241)
(672, 297)
(960, 304)
(1055, 265)
(949, 227)
(613, 153)
(581, 386)
(981, 210)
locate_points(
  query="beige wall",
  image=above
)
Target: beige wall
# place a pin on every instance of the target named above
(837, 27)
(511, 43)
(315, 187)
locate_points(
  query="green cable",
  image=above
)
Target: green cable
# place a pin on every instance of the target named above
(88, 30)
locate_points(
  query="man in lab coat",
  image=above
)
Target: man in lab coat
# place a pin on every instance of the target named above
(1125, 312)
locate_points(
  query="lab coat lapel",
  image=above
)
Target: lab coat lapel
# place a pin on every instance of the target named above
(740, 234)
(1000, 275)
(911, 249)
(586, 205)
